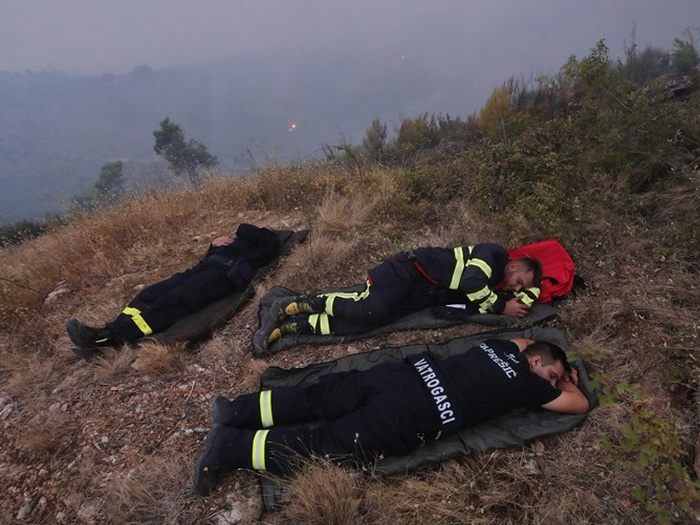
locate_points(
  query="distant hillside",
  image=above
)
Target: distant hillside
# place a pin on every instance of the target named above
(57, 130)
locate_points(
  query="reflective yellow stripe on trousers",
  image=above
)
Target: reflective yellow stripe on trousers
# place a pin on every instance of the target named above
(354, 296)
(139, 321)
(266, 409)
(258, 452)
(320, 323)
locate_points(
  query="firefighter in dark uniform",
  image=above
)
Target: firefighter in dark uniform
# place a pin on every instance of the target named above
(228, 266)
(482, 276)
(389, 409)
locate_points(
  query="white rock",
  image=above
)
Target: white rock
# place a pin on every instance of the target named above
(87, 513)
(55, 294)
(5, 400)
(6, 411)
(530, 466)
(25, 511)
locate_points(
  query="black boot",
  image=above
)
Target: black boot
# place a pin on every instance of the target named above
(221, 414)
(305, 304)
(84, 336)
(219, 457)
(299, 324)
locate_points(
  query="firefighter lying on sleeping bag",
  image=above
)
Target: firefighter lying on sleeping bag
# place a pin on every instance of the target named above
(481, 275)
(387, 410)
(228, 266)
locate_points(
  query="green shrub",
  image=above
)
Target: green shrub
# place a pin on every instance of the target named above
(685, 55)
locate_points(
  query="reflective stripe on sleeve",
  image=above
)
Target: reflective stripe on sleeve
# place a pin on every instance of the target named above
(479, 295)
(482, 265)
(258, 452)
(486, 306)
(139, 321)
(529, 296)
(266, 409)
(459, 268)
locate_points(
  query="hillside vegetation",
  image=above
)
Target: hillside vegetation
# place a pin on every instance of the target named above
(608, 166)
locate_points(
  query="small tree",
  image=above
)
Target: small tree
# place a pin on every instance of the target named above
(184, 157)
(107, 190)
(416, 134)
(492, 116)
(111, 180)
(685, 56)
(375, 140)
(640, 67)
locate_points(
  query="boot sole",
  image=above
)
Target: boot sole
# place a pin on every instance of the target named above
(85, 353)
(292, 309)
(273, 318)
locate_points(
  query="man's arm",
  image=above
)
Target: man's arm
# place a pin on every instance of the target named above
(484, 260)
(571, 400)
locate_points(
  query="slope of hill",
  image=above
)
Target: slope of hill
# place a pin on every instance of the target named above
(610, 171)
(58, 130)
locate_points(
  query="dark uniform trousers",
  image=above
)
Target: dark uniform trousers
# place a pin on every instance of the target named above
(222, 271)
(158, 306)
(349, 416)
(394, 288)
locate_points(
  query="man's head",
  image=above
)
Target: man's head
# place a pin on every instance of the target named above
(522, 273)
(547, 360)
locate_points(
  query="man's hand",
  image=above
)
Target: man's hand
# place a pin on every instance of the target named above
(571, 376)
(514, 308)
(224, 240)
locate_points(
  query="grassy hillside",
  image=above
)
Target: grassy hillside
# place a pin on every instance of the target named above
(609, 169)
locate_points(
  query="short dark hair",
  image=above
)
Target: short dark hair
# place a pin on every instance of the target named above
(549, 352)
(530, 264)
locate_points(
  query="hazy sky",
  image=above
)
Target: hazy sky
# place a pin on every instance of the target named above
(501, 36)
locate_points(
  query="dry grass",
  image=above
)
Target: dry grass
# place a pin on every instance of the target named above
(539, 484)
(155, 358)
(155, 491)
(47, 434)
(111, 364)
(341, 215)
(337, 498)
